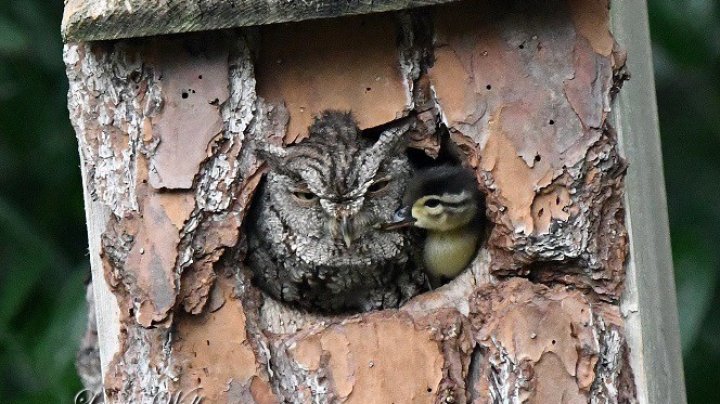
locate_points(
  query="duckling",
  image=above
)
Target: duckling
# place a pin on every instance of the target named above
(446, 202)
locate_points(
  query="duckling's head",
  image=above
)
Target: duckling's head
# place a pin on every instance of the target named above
(440, 199)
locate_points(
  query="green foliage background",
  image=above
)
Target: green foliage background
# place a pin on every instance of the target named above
(43, 260)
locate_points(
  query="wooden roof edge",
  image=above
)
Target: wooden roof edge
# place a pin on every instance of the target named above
(91, 20)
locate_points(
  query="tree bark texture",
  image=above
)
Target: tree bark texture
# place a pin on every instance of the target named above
(165, 128)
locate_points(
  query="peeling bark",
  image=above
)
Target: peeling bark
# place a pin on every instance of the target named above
(520, 91)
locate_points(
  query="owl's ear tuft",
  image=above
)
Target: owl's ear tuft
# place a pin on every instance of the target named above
(392, 139)
(389, 144)
(272, 154)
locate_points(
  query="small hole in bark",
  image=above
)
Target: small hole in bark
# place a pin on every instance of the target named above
(200, 77)
(368, 88)
(215, 102)
(537, 158)
(552, 122)
(489, 87)
(429, 390)
(199, 380)
(207, 341)
(553, 342)
(540, 212)
(184, 94)
(522, 46)
(193, 91)
(557, 201)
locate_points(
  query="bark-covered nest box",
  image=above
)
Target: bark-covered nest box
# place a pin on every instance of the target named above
(518, 91)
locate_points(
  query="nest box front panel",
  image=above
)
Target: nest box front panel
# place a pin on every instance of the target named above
(519, 92)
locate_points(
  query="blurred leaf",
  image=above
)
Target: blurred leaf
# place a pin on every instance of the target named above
(45, 26)
(695, 294)
(42, 231)
(12, 38)
(687, 28)
(39, 253)
(56, 349)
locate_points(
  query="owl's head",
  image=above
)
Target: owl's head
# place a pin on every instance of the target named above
(332, 188)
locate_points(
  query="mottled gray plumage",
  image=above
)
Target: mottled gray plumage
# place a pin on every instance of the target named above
(312, 239)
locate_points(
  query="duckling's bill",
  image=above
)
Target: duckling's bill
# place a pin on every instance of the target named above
(401, 219)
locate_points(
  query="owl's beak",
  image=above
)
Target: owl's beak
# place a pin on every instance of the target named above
(347, 231)
(402, 218)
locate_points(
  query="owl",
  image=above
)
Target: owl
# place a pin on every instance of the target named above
(313, 238)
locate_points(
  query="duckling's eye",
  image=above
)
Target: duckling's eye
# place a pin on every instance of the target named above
(378, 186)
(432, 203)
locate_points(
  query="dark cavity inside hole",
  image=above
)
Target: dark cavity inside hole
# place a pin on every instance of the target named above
(184, 94)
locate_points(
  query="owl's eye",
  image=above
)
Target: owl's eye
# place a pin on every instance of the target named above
(303, 195)
(379, 185)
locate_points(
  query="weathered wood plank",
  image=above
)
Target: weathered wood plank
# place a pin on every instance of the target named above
(86, 20)
(649, 304)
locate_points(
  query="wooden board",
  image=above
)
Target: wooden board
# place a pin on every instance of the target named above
(649, 304)
(88, 20)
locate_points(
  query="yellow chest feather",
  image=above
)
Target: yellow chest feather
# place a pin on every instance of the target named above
(448, 253)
